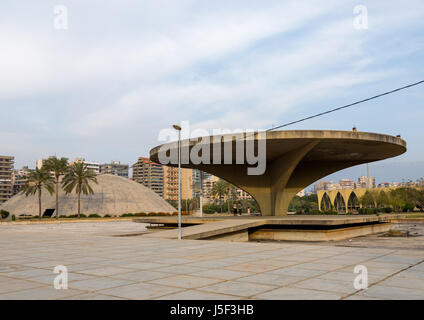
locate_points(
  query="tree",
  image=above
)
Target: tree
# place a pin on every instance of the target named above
(59, 167)
(231, 194)
(219, 190)
(369, 199)
(78, 178)
(37, 180)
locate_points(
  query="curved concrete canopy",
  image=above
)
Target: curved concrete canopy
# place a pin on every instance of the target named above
(294, 160)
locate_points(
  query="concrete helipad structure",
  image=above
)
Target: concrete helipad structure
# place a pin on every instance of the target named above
(294, 160)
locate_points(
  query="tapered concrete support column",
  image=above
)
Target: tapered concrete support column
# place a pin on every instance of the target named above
(271, 189)
(275, 198)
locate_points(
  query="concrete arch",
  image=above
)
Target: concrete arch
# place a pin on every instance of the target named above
(340, 202)
(353, 202)
(325, 202)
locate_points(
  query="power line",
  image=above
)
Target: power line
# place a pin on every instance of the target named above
(346, 106)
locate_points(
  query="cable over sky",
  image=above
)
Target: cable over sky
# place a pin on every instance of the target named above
(347, 105)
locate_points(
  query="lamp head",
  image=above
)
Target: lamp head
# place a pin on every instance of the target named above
(176, 127)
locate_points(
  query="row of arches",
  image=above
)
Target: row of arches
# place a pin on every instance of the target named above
(339, 203)
(344, 200)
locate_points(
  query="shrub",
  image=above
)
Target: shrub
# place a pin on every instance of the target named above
(4, 213)
(94, 215)
(140, 214)
(106, 216)
(367, 211)
(125, 215)
(13, 218)
(317, 212)
(213, 208)
(408, 207)
(388, 209)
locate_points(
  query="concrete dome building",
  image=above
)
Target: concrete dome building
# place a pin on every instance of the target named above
(113, 195)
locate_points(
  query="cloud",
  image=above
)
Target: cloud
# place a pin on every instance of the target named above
(124, 71)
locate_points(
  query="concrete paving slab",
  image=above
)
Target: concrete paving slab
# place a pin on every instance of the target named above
(238, 288)
(40, 293)
(141, 275)
(395, 293)
(92, 296)
(341, 287)
(298, 272)
(98, 283)
(271, 279)
(185, 281)
(222, 274)
(298, 294)
(198, 295)
(141, 291)
(17, 285)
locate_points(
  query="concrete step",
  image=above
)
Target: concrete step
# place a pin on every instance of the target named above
(207, 230)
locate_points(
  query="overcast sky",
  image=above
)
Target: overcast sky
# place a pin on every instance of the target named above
(123, 70)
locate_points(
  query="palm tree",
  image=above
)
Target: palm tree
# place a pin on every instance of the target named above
(219, 190)
(231, 194)
(37, 180)
(78, 178)
(58, 167)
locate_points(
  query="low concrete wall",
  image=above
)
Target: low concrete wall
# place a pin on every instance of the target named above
(318, 235)
(237, 236)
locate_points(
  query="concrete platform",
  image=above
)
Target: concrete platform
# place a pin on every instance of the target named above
(104, 266)
(294, 228)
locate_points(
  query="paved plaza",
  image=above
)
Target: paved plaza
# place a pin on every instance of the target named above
(114, 260)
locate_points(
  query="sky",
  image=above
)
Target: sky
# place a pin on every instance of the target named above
(121, 71)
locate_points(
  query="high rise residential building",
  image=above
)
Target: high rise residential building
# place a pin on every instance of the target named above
(365, 182)
(95, 166)
(323, 185)
(170, 183)
(243, 195)
(115, 168)
(347, 184)
(149, 173)
(208, 187)
(19, 178)
(6, 171)
(198, 178)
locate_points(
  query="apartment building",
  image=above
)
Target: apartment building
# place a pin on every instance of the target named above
(208, 187)
(149, 173)
(19, 178)
(243, 195)
(95, 166)
(6, 170)
(115, 168)
(366, 182)
(170, 183)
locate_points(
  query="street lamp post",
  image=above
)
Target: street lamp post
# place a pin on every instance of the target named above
(178, 128)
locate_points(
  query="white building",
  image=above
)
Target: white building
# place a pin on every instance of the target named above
(95, 166)
(364, 182)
